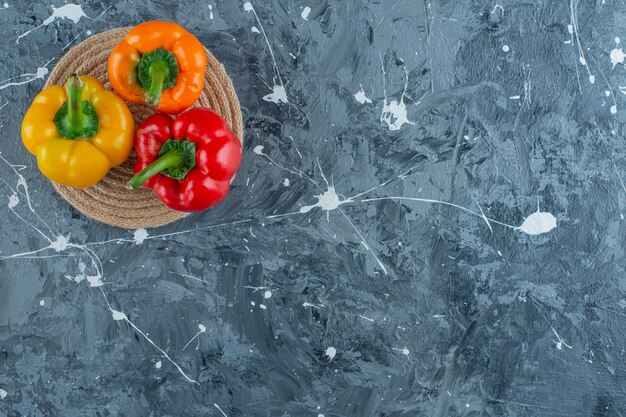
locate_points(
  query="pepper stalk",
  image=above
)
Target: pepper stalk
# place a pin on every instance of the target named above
(157, 71)
(76, 119)
(176, 159)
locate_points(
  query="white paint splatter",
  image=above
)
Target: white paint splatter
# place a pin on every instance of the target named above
(327, 201)
(139, 236)
(330, 353)
(404, 351)
(286, 182)
(254, 288)
(14, 200)
(617, 56)
(23, 185)
(394, 114)
(278, 95)
(295, 146)
(361, 97)
(305, 13)
(221, 411)
(496, 7)
(118, 315)
(559, 342)
(307, 304)
(613, 109)
(575, 34)
(259, 151)
(94, 280)
(592, 79)
(60, 244)
(210, 12)
(3, 394)
(262, 306)
(252, 303)
(158, 365)
(188, 276)
(201, 329)
(538, 223)
(42, 302)
(506, 48)
(255, 29)
(80, 277)
(89, 31)
(267, 295)
(71, 11)
(39, 75)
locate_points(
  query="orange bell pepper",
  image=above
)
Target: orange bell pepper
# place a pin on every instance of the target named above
(159, 64)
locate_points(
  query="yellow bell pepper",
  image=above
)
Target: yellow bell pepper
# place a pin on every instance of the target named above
(79, 132)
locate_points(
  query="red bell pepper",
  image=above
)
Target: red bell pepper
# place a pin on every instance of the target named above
(189, 161)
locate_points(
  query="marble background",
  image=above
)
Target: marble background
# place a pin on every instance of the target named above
(428, 221)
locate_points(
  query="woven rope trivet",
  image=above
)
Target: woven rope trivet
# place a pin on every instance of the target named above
(109, 201)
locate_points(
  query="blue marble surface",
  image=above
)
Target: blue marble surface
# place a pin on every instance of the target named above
(428, 221)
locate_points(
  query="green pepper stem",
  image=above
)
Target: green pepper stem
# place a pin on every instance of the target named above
(158, 72)
(171, 159)
(74, 88)
(76, 118)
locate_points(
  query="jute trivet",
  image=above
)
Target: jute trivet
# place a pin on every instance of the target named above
(109, 201)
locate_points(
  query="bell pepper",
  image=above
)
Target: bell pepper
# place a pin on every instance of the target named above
(79, 132)
(189, 161)
(159, 64)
